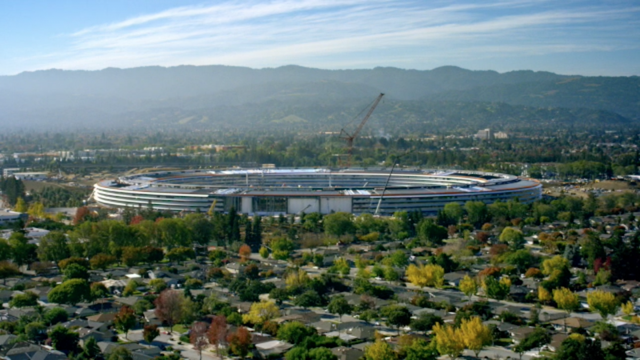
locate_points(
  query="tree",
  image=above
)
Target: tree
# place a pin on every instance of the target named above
(92, 350)
(579, 348)
(321, 353)
(98, 291)
(150, 332)
(35, 331)
(64, 339)
(70, 292)
(449, 341)
(453, 211)
(125, 320)
(198, 336)
(53, 247)
(397, 315)
(308, 298)
(544, 296)
(82, 214)
(75, 271)
(496, 289)
(264, 252)
(339, 223)
(169, 307)
(261, 312)
(239, 342)
(102, 261)
(63, 264)
(24, 300)
(605, 303)
(477, 212)
(21, 206)
(566, 300)
(537, 338)
(431, 232)
(181, 254)
(512, 237)
(468, 286)
(429, 275)
(558, 272)
(244, 252)
(425, 322)
(282, 248)
(7, 270)
(296, 279)
(217, 331)
(379, 350)
(420, 350)
(339, 305)
(55, 315)
(21, 251)
(120, 353)
(475, 334)
(521, 259)
(295, 332)
(628, 308)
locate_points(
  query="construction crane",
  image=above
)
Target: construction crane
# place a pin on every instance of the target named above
(351, 137)
(212, 209)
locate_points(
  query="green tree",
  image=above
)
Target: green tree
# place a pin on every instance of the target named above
(339, 305)
(338, 224)
(91, 349)
(35, 331)
(512, 237)
(23, 300)
(64, 339)
(295, 332)
(75, 271)
(397, 315)
(70, 292)
(477, 212)
(21, 251)
(454, 211)
(431, 232)
(55, 315)
(120, 353)
(53, 247)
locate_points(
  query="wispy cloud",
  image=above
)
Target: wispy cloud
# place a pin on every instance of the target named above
(339, 33)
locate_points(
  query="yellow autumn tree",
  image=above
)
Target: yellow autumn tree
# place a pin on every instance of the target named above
(297, 278)
(566, 300)
(449, 340)
(21, 206)
(379, 350)
(475, 334)
(429, 275)
(544, 296)
(602, 302)
(260, 312)
(628, 308)
(36, 210)
(468, 286)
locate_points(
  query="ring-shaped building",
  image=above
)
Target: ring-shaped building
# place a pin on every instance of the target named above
(294, 191)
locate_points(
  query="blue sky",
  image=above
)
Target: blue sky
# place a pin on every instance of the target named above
(567, 37)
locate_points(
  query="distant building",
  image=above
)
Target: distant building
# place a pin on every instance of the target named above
(501, 135)
(31, 175)
(8, 216)
(484, 134)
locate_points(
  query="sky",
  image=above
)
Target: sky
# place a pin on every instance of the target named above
(566, 37)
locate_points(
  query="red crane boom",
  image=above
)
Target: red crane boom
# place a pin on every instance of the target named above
(350, 138)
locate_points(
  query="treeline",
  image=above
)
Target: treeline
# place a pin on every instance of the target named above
(51, 196)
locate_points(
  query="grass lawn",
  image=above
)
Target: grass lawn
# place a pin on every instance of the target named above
(180, 328)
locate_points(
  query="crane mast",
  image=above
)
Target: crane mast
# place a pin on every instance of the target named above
(350, 138)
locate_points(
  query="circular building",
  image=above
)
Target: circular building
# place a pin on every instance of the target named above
(293, 191)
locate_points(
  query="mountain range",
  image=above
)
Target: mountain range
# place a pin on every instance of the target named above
(313, 99)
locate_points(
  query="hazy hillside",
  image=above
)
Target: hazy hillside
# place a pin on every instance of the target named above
(309, 98)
